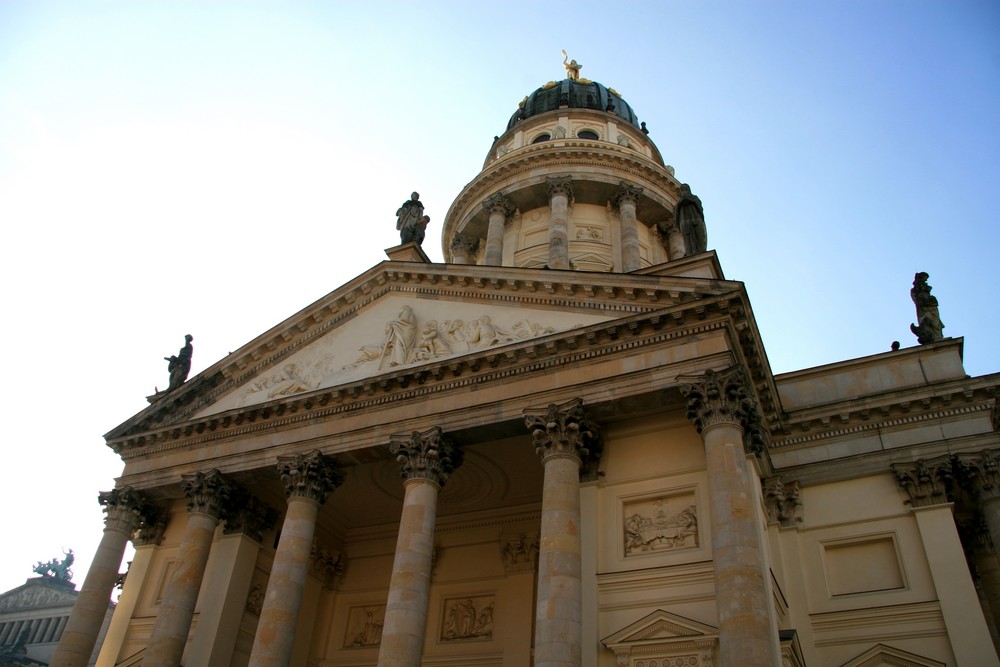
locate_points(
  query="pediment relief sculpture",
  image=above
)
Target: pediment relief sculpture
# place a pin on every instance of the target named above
(396, 335)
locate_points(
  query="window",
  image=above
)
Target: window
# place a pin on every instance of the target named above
(587, 134)
(541, 137)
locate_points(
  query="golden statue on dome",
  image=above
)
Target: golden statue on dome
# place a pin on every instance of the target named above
(572, 67)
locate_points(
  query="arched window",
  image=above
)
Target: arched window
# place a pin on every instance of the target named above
(587, 134)
(541, 137)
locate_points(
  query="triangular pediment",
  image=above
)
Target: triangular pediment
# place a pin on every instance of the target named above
(38, 593)
(659, 627)
(882, 654)
(403, 316)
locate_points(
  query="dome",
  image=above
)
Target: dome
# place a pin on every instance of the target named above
(573, 94)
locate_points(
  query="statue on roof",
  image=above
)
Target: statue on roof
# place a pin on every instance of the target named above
(572, 67)
(55, 568)
(179, 365)
(929, 326)
(411, 221)
(691, 222)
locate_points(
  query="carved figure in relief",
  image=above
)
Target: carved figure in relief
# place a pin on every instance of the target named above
(371, 633)
(691, 222)
(645, 533)
(929, 327)
(431, 344)
(464, 621)
(408, 218)
(255, 600)
(179, 365)
(288, 382)
(399, 337)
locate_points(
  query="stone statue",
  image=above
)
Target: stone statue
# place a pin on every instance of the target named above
(411, 221)
(691, 222)
(400, 335)
(928, 327)
(55, 568)
(180, 365)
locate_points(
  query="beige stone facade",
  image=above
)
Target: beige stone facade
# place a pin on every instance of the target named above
(563, 447)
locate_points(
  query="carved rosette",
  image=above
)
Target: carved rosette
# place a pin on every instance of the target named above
(980, 474)
(626, 193)
(560, 185)
(784, 504)
(311, 475)
(250, 516)
(564, 430)
(925, 481)
(498, 203)
(208, 492)
(721, 398)
(465, 243)
(428, 455)
(123, 509)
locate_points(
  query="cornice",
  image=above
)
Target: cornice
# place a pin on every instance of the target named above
(567, 155)
(455, 373)
(954, 399)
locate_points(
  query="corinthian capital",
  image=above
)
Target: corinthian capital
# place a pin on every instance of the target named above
(564, 430)
(626, 193)
(498, 203)
(428, 455)
(980, 473)
(207, 492)
(311, 475)
(925, 481)
(123, 509)
(719, 398)
(560, 185)
(250, 516)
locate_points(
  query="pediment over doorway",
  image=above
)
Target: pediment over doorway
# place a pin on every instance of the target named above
(663, 636)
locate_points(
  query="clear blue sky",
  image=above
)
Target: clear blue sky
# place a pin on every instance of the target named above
(212, 167)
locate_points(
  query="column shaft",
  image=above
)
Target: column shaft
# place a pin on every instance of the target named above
(990, 509)
(558, 618)
(80, 635)
(559, 231)
(173, 622)
(272, 646)
(746, 638)
(494, 238)
(409, 588)
(630, 236)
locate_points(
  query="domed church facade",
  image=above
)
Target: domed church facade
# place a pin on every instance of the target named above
(561, 447)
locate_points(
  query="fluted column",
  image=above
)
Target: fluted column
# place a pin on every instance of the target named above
(720, 408)
(627, 201)
(464, 248)
(208, 494)
(560, 195)
(123, 512)
(499, 208)
(308, 479)
(427, 459)
(564, 438)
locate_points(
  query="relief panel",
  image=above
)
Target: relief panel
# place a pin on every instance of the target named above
(467, 618)
(665, 522)
(364, 626)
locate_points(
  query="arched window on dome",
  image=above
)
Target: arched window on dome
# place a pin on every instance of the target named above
(545, 136)
(588, 134)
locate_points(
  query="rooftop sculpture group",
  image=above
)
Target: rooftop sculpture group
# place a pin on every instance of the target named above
(55, 568)
(178, 365)
(411, 221)
(928, 328)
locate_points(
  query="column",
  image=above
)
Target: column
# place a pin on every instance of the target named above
(308, 479)
(208, 495)
(564, 438)
(123, 513)
(720, 408)
(627, 201)
(674, 239)
(560, 195)
(498, 207)
(228, 576)
(980, 475)
(427, 459)
(464, 248)
(925, 483)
